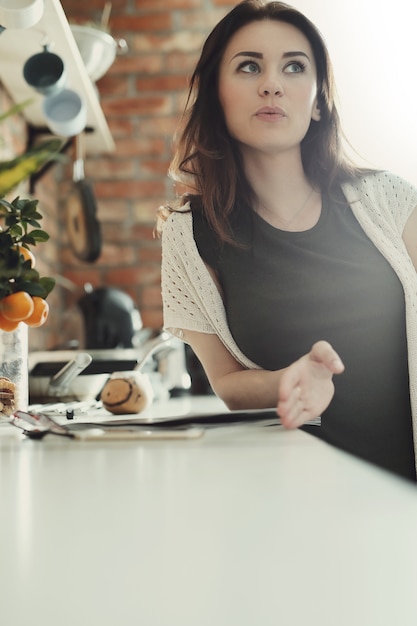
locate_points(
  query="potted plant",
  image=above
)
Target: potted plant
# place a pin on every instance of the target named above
(23, 291)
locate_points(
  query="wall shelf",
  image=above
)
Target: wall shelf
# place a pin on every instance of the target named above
(16, 46)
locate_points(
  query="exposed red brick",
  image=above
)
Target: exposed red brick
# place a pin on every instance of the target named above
(140, 23)
(81, 277)
(120, 127)
(162, 4)
(152, 318)
(165, 126)
(142, 96)
(111, 85)
(114, 254)
(117, 233)
(225, 3)
(104, 169)
(79, 7)
(148, 254)
(185, 41)
(143, 145)
(152, 167)
(150, 297)
(113, 212)
(129, 189)
(143, 232)
(146, 63)
(162, 83)
(145, 213)
(142, 275)
(71, 263)
(140, 105)
(201, 20)
(176, 61)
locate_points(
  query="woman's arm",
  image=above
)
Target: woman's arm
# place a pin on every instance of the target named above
(299, 392)
(410, 236)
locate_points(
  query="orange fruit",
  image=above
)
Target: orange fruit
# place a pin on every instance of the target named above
(17, 307)
(27, 255)
(40, 312)
(6, 324)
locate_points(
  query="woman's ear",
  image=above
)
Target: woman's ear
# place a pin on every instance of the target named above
(316, 114)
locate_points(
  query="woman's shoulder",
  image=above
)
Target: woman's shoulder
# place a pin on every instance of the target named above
(172, 217)
(384, 182)
(382, 195)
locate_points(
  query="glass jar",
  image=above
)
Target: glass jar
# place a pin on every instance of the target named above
(14, 368)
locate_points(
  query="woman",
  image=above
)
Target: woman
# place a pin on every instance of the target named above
(289, 271)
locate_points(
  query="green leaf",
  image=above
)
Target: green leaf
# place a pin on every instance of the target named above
(33, 289)
(33, 223)
(21, 227)
(15, 170)
(16, 108)
(5, 206)
(48, 284)
(16, 231)
(28, 273)
(41, 288)
(29, 209)
(35, 236)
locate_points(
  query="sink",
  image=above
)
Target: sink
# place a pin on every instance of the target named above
(98, 49)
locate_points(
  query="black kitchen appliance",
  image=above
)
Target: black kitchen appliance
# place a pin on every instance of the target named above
(111, 319)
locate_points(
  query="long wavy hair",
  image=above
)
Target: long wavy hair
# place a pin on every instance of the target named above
(207, 160)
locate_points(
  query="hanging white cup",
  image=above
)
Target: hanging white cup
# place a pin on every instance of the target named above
(65, 113)
(20, 13)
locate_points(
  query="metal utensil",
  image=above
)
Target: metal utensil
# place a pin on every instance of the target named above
(60, 382)
(105, 16)
(162, 342)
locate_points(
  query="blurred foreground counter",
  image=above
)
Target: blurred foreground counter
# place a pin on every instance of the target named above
(244, 525)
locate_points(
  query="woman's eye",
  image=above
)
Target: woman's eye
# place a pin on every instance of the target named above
(295, 67)
(250, 67)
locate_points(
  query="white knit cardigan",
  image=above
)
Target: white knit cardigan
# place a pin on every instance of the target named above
(382, 202)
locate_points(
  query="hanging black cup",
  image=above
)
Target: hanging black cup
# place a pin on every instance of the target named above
(45, 72)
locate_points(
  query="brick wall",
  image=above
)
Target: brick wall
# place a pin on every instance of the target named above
(142, 96)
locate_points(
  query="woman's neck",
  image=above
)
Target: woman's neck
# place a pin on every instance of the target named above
(283, 195)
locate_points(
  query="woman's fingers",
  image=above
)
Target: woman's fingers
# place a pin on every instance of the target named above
(292, 410)
(306, 387)
(323, 353)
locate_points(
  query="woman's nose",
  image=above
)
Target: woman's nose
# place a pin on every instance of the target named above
(271, 87)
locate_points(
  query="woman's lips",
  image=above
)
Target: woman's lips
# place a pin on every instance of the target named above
(270, 114)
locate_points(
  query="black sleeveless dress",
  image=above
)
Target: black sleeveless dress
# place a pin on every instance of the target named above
(283, 291)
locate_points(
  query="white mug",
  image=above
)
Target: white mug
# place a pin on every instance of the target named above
(65, 113)
(20, 13)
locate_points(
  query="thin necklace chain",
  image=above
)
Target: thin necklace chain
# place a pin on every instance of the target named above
(287, 223)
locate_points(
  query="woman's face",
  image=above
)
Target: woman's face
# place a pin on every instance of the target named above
(268, 87)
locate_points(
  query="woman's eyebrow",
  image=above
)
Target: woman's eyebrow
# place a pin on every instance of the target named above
(259, 55)
(295, 53)
(256, 55)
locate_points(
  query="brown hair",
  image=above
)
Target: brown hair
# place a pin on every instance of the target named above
(207, 160)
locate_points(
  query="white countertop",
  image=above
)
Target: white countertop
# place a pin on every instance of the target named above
(246, 526)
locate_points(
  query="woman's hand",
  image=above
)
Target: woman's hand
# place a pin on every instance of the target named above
(306, 387)
(300, 392)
